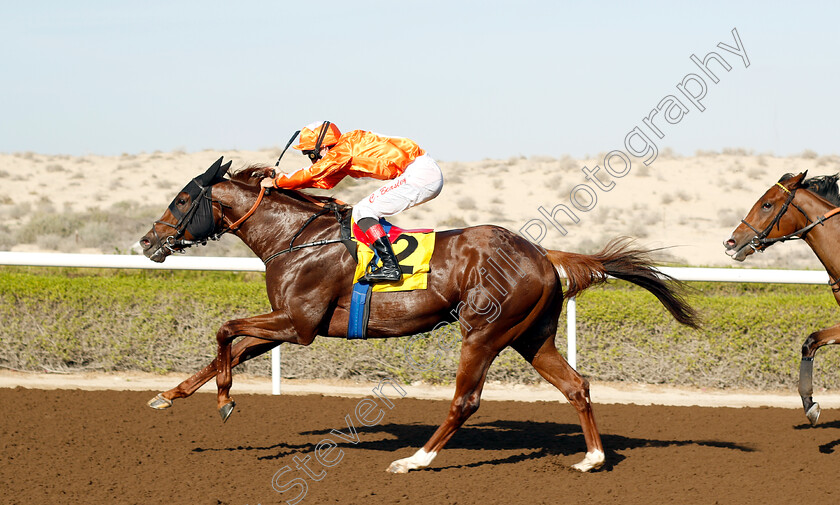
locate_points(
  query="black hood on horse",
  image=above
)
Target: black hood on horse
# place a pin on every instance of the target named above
(192, 213)
(198, 218)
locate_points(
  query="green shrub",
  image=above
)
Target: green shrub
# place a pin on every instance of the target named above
(150, 321)
(160, 321)
(751, 336)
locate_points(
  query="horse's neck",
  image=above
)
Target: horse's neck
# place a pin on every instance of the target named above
(277, 219)
(822, 238)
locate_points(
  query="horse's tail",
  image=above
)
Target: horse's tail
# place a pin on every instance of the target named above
(620, 260)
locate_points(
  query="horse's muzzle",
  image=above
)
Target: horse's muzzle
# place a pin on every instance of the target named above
(736, 252)
(153, 249)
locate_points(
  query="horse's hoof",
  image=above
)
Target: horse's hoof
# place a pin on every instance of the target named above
(399, 466)
(159, 402)
(813, 413)
(420, 459)
(227, 410)
(592, 461)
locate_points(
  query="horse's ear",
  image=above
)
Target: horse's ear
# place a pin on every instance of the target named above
(795, 181)
(220, 174)
(208, 177)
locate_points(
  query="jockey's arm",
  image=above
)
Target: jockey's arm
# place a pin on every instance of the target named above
(321, 174)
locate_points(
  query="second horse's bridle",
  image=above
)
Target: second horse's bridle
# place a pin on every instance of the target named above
(761, 242)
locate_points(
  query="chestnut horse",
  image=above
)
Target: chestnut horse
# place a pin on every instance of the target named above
(797, 208)
(309, 290)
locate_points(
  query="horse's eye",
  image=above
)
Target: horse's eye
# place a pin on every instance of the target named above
(181, 201)
(767, 206)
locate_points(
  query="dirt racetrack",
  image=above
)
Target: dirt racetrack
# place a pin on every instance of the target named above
(73, 446)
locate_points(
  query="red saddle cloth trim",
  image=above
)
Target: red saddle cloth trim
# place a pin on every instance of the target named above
(392, 231)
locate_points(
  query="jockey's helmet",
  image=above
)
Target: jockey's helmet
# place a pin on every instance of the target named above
(310, 134)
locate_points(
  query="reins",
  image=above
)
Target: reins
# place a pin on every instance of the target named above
(235, 226)
(800, 234)
(336, 207)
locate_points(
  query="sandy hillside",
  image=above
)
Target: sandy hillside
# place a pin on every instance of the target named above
(692, 203)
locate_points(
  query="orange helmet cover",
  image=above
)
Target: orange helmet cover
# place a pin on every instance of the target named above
(309, 136)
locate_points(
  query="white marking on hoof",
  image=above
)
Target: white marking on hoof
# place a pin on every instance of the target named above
(159, 402)
(420, 459)
(591, 461)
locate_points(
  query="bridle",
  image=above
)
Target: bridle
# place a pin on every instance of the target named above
(760, 242)
(177, 244)
(201, 205)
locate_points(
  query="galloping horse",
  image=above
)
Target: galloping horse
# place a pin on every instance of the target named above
(772, 220)
(310, 291)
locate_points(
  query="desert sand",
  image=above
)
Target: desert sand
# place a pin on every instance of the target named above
(688, 205)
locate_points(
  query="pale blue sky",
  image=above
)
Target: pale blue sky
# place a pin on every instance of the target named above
(467, 80)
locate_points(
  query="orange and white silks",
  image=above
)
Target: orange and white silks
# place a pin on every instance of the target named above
(358, 153)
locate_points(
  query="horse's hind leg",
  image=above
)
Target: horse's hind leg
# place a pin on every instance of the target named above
(806, 368)
(554, 368)
(469, 381)
(243, 350)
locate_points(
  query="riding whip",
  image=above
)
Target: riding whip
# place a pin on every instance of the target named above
(294, 136)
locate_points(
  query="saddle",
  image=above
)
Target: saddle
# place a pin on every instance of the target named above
(414, 250)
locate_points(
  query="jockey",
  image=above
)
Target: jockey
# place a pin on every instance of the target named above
(413, 178)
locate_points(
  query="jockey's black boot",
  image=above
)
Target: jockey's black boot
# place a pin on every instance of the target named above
(390, 269)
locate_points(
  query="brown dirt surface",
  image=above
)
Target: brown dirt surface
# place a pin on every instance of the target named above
(75, 446)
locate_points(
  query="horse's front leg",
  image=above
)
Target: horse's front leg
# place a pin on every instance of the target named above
(806, 368)
(275, 327)
(243, 350)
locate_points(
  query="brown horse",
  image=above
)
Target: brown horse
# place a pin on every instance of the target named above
(796, 208)
(310, 290)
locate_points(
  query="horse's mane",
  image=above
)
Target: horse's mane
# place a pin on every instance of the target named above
(824, 186)
(253, 174)
(250, 175)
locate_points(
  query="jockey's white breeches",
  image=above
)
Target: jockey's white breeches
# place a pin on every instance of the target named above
(421, 181)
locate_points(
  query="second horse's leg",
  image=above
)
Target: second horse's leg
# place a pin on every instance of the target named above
(806, 368)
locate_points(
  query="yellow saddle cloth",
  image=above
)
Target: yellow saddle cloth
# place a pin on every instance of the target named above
(414, 250)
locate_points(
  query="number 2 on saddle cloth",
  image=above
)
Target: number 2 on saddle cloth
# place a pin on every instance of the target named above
(414, 250)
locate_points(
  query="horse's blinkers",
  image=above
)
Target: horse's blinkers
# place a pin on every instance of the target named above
(198, 219)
